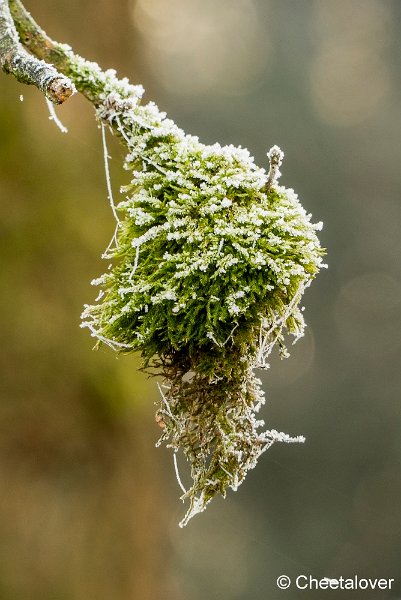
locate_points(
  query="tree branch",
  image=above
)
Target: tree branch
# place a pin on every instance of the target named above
(27, 69)
(90, 83)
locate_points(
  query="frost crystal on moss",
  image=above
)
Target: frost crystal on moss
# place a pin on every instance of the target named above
(210, 261)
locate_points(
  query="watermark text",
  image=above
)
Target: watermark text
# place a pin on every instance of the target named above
(307, 582)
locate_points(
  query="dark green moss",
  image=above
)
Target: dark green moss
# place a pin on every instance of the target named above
(209, 265)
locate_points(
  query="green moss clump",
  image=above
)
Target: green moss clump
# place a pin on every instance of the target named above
(209, 263)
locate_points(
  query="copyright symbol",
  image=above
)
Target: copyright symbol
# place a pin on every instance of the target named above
(283, 582)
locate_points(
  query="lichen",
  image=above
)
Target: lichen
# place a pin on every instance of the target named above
(209, 262)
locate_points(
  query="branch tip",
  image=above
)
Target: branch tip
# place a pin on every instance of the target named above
(275, 156)
(16, 61)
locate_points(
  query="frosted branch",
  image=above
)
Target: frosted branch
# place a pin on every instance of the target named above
(27, 69)
(39, 44)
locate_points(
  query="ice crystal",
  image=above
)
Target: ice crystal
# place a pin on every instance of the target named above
(210, 260)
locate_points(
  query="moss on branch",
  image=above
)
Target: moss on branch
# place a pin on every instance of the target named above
(209, 262)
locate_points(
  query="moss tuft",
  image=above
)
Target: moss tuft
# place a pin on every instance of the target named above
(209, 263)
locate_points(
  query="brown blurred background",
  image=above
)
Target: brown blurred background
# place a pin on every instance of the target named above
(88, 507)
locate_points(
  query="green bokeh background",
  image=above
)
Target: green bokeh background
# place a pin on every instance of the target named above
(88, 506)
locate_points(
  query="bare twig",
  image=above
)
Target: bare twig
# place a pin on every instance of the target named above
(275, 156)
(25, 68)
